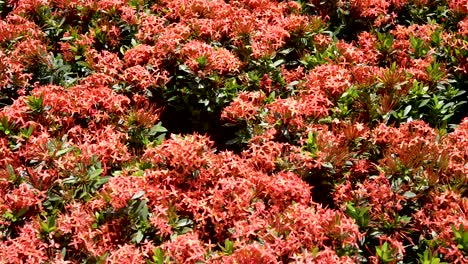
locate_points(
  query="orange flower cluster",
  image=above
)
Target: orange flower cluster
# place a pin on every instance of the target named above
(203, 58)
(244, 131)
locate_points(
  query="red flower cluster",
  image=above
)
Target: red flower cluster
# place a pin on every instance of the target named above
(343, 146)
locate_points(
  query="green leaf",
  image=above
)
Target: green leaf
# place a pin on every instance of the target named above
(137, 237)
(327, 165)
(286, 51)
(409, 195)
(185, 68)
(138, 195)
(159, 256)
(407, 110)
(48, 225)
(424, 102)
(94, 173)
(26, 133)
(276, 63)
(101, 181)
(183, 223)
(71, 180)
(428, 257)
(63, 151)
(359, 214)
(6, 126)
(461, 237)
(140, 209)
(385, 253)
(228, 247)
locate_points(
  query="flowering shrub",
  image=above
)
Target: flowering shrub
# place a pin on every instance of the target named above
(247, 131)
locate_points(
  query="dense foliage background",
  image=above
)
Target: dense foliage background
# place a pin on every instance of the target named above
(248, 131)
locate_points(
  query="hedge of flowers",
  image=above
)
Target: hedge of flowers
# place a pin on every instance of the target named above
(247, 131)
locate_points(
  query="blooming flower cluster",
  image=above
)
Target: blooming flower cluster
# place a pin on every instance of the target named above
(244, 131)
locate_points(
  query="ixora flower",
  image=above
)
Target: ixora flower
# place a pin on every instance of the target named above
(345, 140)
(27, 247)
(459, 6)
(268, 39)
(244, 107)
(121, 189)
(330, 78)
(126, 254)
(204, 58)
(185, 248)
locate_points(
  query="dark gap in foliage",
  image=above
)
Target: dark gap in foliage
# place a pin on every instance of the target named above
(183, 122)
(462, 112)
(322, 189)
(350, 32)
(5, 9)
(8, 95)
(194, 105)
